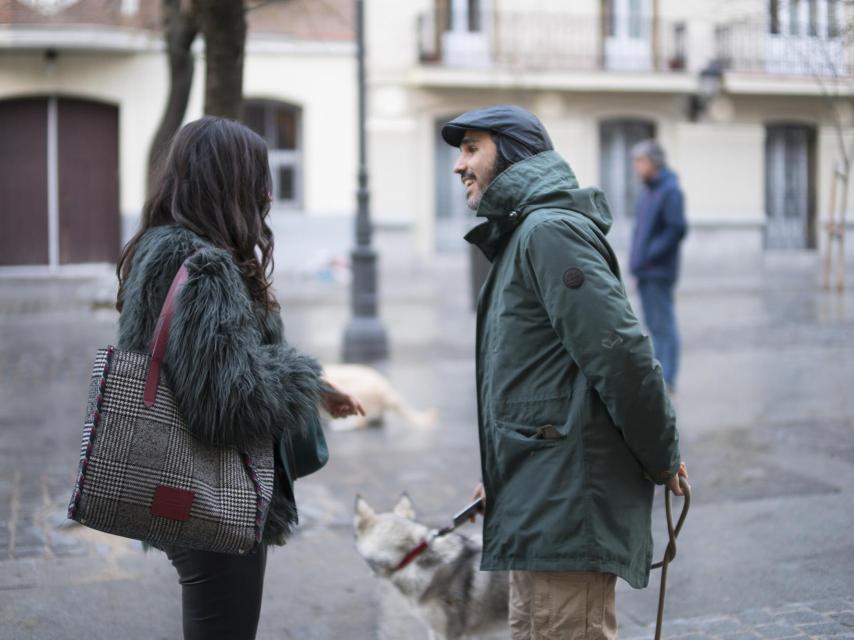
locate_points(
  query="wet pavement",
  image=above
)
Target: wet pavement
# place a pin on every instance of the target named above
(766, 411)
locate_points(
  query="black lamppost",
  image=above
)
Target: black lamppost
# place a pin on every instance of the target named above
(365, 337)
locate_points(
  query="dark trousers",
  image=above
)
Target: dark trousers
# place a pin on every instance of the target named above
(660, 318)
(220, 593)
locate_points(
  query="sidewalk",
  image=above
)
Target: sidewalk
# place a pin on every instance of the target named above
(832, 618)
(766, 418)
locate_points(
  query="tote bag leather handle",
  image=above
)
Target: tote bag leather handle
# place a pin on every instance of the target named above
(161, 334)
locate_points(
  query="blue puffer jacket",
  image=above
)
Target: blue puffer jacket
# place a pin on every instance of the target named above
(659, 229)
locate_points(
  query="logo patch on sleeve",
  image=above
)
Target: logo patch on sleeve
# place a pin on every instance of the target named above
(573, 278)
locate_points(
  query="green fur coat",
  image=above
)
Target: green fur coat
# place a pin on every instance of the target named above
(234, 377)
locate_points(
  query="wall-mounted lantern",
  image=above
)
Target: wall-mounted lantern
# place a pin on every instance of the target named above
(710, 86)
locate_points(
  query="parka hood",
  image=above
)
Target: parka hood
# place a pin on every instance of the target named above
(542, 181)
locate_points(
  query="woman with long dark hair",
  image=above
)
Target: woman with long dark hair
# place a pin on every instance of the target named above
(234, 378)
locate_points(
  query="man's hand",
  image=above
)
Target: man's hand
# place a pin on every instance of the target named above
(673, 483)
(339, 404)
(479, 492)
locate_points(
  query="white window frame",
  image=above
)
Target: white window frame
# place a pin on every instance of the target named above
(794, 49)
(462, 46)
(628, 35)
(283, 158)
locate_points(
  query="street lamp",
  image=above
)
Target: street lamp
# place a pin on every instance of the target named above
(710, 87)
(365, 338)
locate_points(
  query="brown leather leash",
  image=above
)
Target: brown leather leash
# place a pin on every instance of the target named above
(670, 551)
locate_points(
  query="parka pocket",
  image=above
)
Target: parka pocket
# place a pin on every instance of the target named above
(525, 428)
(520, 450)
(536, 479)
(535, 473)
(546, 434)
(540, 419)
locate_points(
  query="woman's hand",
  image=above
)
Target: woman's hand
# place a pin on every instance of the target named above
(339, 404)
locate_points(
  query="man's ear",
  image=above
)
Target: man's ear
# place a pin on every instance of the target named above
(365, 516)
(404, 507)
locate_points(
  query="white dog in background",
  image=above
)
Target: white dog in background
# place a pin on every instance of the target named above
(377, 396)
(444, 584)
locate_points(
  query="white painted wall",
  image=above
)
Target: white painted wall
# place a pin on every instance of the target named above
(135, 83)
(722, 171)
(720, 161)
(324, 87)
(322, 83)
(391, 29)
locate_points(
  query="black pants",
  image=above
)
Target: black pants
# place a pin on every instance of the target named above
(220, 593)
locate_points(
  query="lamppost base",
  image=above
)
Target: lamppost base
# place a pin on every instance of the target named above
(365, 340)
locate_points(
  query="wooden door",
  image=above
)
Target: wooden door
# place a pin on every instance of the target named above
(23, 182)
(88, 187)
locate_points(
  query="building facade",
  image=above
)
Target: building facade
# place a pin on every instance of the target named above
(755, 154)
(83, 85)
(733, 89)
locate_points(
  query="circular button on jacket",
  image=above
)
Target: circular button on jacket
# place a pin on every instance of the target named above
(573, 278)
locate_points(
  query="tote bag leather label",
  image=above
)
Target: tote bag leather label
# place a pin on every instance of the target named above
(172, 503)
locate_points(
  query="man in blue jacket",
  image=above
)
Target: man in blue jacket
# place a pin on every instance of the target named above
(659, 230)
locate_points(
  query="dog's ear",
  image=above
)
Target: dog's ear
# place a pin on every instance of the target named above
(404, 507)
(365, 516)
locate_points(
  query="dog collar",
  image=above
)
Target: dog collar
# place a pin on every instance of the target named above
(412, 555)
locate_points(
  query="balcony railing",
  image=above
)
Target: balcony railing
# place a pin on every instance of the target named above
(750, 47)
(551, 41)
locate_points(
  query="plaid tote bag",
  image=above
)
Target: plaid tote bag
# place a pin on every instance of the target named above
(143, 475)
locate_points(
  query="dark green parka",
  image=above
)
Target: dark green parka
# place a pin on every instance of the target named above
(575, 422)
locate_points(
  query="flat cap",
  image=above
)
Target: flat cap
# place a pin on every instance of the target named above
(516, 123)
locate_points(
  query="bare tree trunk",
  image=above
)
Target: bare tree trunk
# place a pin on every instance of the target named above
(179, 31)
(840, 258)
(831, 227)
(223, 24)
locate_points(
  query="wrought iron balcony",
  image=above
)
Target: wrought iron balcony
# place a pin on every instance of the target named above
(551, 41)
(801, 50)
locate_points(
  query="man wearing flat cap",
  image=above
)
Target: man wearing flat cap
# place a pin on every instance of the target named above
(575, 422)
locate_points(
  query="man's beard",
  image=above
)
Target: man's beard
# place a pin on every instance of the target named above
(474, 201)
(499, 165)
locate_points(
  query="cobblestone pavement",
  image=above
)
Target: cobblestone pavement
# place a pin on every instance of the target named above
(34, 526)
(831, 618)
(766, 419)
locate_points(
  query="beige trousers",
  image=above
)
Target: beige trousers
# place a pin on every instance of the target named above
(571, 605)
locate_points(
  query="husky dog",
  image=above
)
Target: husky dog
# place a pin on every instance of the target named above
(377, 396)
(443, 584)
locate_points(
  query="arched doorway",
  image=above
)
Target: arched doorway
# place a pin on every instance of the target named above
(617, 177)
(59, 181)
